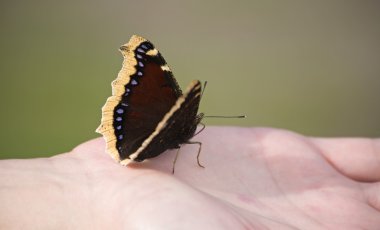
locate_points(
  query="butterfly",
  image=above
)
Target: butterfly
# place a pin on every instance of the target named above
(147, 112)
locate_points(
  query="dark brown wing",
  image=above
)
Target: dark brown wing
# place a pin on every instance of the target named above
(143, 93)
(177, 127)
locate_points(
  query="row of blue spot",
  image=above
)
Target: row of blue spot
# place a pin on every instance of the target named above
(142, 49)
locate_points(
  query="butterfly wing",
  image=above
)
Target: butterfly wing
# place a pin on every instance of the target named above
(144, 91)
(177, 126)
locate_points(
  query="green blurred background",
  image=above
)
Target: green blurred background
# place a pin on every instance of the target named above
(309, 66)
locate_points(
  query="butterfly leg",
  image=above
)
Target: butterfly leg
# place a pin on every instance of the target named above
(203, 127)
(199, 150)
(175, 159)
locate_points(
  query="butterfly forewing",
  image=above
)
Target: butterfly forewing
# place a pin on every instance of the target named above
(143, 93)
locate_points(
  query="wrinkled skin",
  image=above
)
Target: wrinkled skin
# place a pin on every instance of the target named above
(254, 179)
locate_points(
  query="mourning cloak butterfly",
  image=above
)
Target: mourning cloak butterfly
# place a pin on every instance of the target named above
(147, 112)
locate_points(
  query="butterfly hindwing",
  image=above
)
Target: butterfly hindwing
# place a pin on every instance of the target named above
(177, 127)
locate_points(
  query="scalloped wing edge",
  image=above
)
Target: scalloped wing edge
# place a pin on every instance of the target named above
(118, 89)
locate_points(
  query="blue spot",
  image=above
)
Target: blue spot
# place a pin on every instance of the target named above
(141, 64)
(124, 104)
(138, 56)
(144, 46)
(118, 127)
(139, 73)
(120, 137)
(119, 119)
(134, 82)
(120, 111)
(127, 91)
(141, 50)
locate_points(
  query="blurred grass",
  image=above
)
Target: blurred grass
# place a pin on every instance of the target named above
(309, 66)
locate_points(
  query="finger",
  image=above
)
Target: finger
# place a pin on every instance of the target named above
(357, 158)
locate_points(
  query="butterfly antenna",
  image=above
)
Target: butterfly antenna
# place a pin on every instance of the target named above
(215, 116)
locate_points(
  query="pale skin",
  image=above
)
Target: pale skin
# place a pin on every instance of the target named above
(253, 178)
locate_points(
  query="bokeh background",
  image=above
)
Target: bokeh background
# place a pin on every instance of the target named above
(309, 66)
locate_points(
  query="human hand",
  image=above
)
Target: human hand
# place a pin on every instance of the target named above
(253, 179)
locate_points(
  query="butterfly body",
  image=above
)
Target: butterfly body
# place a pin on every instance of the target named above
(147, 112)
